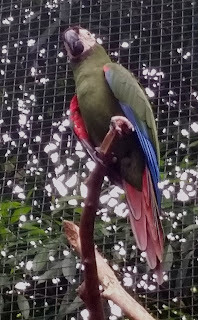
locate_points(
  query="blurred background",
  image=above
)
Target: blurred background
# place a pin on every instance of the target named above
(42, 166)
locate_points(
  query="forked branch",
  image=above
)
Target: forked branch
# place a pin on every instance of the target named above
(112, 288)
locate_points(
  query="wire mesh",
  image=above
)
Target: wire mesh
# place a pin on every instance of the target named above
(42, 166)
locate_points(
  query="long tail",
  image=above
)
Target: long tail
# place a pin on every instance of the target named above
(145, 222)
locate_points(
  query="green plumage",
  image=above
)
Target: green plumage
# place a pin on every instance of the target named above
(104, 90)
(98, 104)
(127, 89)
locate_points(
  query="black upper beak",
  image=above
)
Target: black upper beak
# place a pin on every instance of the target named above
(72, 41)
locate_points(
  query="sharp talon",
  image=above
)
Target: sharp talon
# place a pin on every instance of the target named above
(97, 149)
(114, 159)
(121, 125)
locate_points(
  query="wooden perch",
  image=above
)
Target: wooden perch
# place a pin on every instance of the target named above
(89, 291)
(112, 288)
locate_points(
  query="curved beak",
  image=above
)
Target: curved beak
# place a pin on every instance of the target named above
(72, 42)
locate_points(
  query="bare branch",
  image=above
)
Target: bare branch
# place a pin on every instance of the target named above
(112, 288)
(89, 291)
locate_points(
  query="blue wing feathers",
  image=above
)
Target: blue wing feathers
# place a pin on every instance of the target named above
(147, 147)
(142, 134)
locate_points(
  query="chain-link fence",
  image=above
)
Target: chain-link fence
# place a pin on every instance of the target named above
(42, 167)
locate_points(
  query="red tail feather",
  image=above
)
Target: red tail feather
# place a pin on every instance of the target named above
(145, 222)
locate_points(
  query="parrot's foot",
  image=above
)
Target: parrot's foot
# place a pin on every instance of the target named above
(121, 125)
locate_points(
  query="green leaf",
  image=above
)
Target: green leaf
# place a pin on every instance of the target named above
(54, 272)
(167, 226)
(65, 309)
(190, 228)
(183, 270)
(163, 176)
(116, 256)
(4, 280)
(67, 198)
(29, 194)
(189, 218)
(194, 144)
(195, 209)
(18, 212)
(69, 267)
(24, 306)
(33, 229)
(5, 233)
(168, 258)
(36, 234)
(105, 232)
(1, 304)
(9, 167)
(6, 206)
(40, 260)
(78, 210)
(167, 153)
(188, 245)
(58, 210)
(10, 205)
(29, 226)
(166, 203)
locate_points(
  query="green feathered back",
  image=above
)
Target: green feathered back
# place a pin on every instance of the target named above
(127, 89)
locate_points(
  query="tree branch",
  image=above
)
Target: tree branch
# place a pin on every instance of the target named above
(112, 288)
(89, 291)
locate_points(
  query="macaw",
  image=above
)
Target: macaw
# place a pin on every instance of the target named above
(104, 91)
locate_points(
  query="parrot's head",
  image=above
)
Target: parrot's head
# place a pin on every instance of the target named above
(78, 42)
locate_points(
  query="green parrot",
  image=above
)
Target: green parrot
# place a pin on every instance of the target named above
(108, 93)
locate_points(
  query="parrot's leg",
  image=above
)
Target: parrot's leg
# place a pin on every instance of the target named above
(100, 158)
(121, 125)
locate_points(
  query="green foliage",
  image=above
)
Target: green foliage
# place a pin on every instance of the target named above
(168, 258)
(63, 311)
(33, 243)
(24, 306)
(69, 267)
